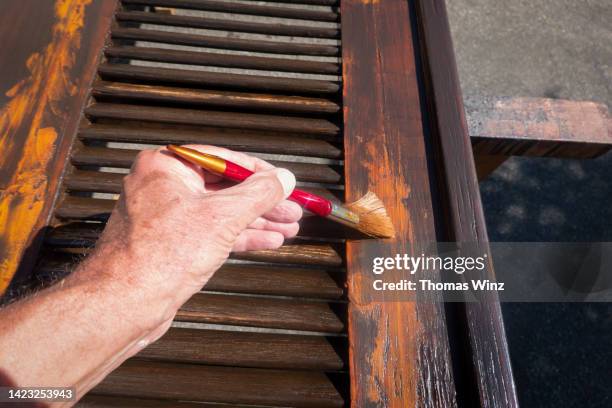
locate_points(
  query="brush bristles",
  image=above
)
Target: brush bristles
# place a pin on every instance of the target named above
(373, 218)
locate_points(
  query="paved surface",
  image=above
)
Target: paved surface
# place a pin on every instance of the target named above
(561, 353)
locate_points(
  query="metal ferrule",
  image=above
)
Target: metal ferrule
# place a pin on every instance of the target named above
(343, 216)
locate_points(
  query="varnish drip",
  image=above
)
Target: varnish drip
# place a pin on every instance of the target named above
(33, 101)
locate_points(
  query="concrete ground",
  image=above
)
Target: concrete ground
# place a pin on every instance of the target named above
(561, 353)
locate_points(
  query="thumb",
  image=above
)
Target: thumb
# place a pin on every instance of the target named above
(259, 194)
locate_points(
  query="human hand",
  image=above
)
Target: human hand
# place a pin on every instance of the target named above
(175, 224)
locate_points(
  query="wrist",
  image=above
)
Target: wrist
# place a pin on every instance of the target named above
(119, 276)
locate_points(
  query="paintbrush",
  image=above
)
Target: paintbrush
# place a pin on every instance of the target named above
(367, 214)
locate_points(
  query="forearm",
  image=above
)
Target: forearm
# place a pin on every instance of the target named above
(88, 323)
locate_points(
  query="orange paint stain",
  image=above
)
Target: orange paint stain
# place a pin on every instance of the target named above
(34, 101)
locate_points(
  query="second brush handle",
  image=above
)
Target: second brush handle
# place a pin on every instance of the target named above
(311, 202)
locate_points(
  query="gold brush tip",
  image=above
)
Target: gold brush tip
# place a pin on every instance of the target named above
(206, 161)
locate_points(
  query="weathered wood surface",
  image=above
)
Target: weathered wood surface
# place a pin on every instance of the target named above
(243, 8)
(45, 77)
(196, 79)
(223, 60)
(501, 127)
(283, 29)
(489, 362)
(225, 43)
(247, 349)
(538, 127)
(398, 350)
(190, 382)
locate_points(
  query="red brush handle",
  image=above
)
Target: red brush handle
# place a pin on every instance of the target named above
(313, 203)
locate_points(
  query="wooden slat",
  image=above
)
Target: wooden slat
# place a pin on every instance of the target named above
(224, 43)
(399, 351)
(309, 2)
(293, 30)
(262, 312)
(242, 8)
(245, 349)
(225, 99)
(241, 140)
(212, 118)
(269, 280)
(248, 278)
(221, 384)
(123, 158)
(505, 126)
(105, 401)
(83, 208)
(40, 110)
(196, 79)
(85, 234)
(222, 60)
(489, 363)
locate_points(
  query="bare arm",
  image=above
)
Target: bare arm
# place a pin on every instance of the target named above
(173, 227)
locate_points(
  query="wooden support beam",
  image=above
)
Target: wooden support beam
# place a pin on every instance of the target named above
(501, 127)
(399, 352)
(486, 374)
(45, 79)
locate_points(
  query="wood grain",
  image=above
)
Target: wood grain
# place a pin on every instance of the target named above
(283, 29)
(225, 99)
(489, 360)
(398, 350)
(222, 60)
(539, 127)
(243, 8)
(189, 382)
(45, 82)
(233, 120)
(224, 43)
(246, 349)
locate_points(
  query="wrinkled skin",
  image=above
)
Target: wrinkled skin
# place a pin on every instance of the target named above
(172, 228)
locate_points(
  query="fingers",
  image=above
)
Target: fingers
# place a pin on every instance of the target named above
(255, 240)
(256, 196)
(286, 211)
(288, 229)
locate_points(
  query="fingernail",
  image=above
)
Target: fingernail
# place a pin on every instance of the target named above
(287, 179)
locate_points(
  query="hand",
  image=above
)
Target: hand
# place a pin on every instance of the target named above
(175, 224)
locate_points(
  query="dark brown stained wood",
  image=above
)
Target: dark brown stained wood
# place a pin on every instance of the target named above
(192, 382)
(507, 126)
(241, 140)
(222, 60)
(78, 234)
(262, 312)
(486, 164)
(229, 25)
(126, 72)
(49, 55)
(241, 100)
(309, 2)
(398, 350)
(212, 118)
(242, 8)
(101, 401)
(269, 280)
(249, 278)
(123, 158)
(224, 43)
(323, 255)
(490, 359)
(93, 181)
(245, 349)
(84, 208)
